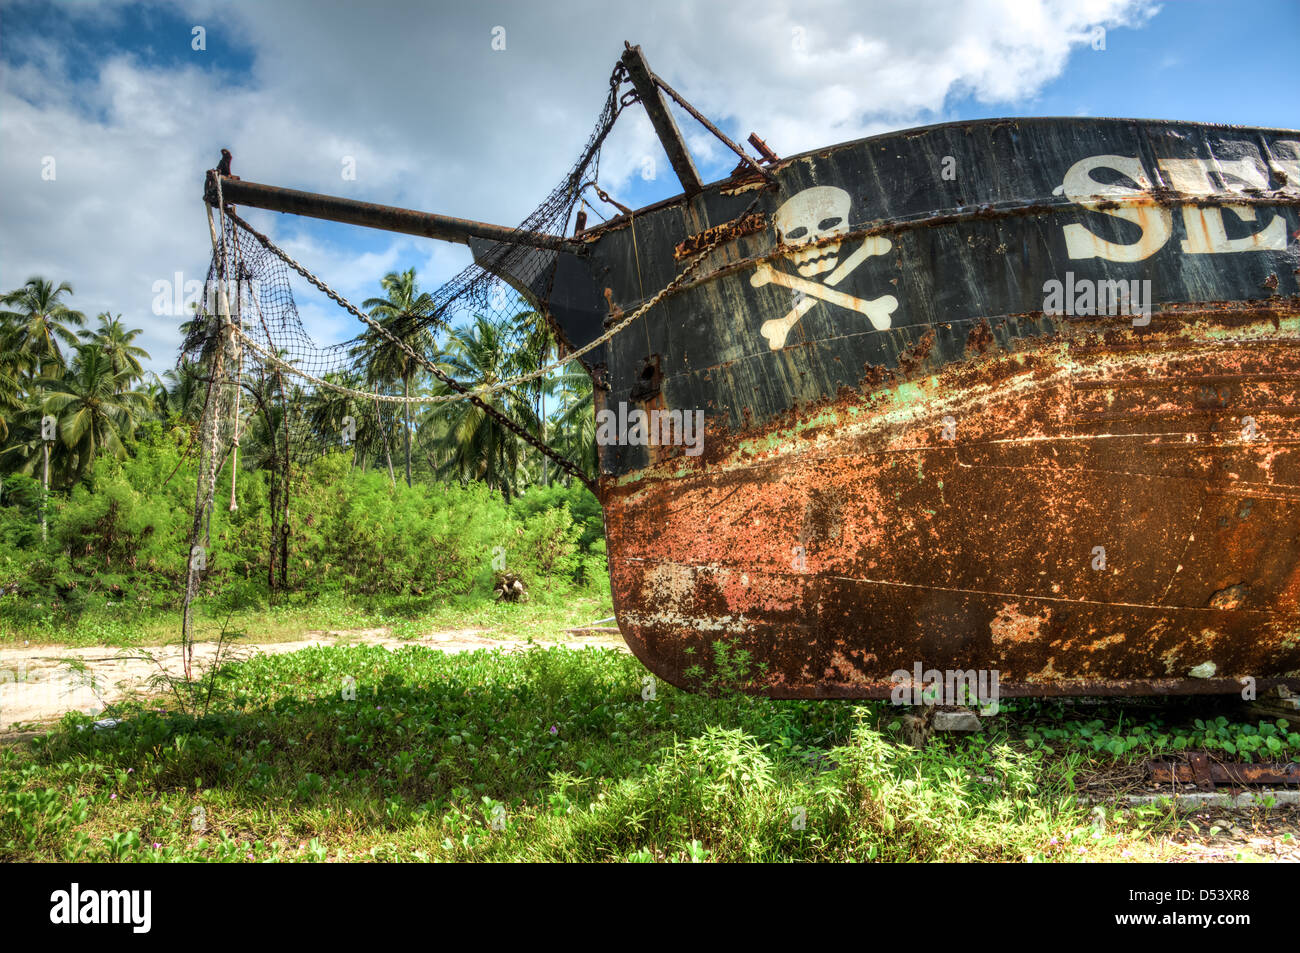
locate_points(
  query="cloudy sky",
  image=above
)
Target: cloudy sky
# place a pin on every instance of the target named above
(434, 117)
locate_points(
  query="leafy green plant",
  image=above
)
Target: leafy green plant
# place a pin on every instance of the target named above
(546, 754)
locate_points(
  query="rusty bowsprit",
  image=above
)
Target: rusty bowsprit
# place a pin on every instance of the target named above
(390, 218)
(1014, 396)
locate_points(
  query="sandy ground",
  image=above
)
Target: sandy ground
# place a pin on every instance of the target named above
(41, 683)
(1225, 836)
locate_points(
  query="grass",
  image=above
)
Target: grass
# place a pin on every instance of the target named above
(357, 753)
(296, 614)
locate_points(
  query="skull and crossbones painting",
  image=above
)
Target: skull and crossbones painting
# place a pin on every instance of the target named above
(809, 222)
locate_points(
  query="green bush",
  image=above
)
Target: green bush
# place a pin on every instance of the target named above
(357, 532)
(121, 537)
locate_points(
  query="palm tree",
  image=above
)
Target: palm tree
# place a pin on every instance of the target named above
(116, 340)
(270, 433)
(576, 423)
(26, 448)
(478, 447)
(536, 348)
(156, 397)
(41, 322)
(11, 384)
(326, 410)
(405, 314)
(94, 406)
(186, 391)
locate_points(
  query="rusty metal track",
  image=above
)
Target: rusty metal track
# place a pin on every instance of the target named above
(1207, 772)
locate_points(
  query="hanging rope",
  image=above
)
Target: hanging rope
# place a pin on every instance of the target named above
(236, 329)
(239, 373)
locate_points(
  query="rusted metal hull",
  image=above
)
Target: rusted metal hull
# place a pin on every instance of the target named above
(1016, 397)
(851, 541)
(1087, 503)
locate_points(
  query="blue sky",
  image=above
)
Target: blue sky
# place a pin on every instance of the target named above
(1198, 60)
(437, 119)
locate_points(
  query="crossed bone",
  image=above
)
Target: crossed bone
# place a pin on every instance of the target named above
(877, 309)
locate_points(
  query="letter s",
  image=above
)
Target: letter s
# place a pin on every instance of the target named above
(1081, 188)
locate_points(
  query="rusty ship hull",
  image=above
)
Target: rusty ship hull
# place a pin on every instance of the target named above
(949, 458)
(1010, 396)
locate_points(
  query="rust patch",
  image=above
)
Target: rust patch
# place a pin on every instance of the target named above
(1207, 772)
(720, 234)
(1233, 597)
(873, 376)
(615, 312)
(1013, 625)
(980, 338)
(844, 540)
(915, 357)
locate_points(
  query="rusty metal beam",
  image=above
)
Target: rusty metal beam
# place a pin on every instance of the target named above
(704, 121)
(387, 217)
(768, 155)
(662, 120)
(1206, 773)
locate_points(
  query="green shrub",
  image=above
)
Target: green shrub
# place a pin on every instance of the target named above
(120, 539)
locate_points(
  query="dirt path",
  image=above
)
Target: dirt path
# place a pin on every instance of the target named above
(41, 683)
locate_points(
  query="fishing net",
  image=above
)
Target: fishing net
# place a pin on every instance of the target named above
(283, 399)
(362, 393)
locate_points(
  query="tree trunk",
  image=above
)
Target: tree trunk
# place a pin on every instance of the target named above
(388, 453)
(284, 493)
(274, 542)
(45, 494)
(406, 392)
(284, 532)
(542, 426)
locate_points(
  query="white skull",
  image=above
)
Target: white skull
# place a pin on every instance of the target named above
(810, 216)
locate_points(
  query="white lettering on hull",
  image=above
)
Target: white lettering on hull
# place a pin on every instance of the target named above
(1206, 233)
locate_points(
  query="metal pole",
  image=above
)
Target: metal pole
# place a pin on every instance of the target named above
(703, 121)
(664, 124)
(388, 217)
